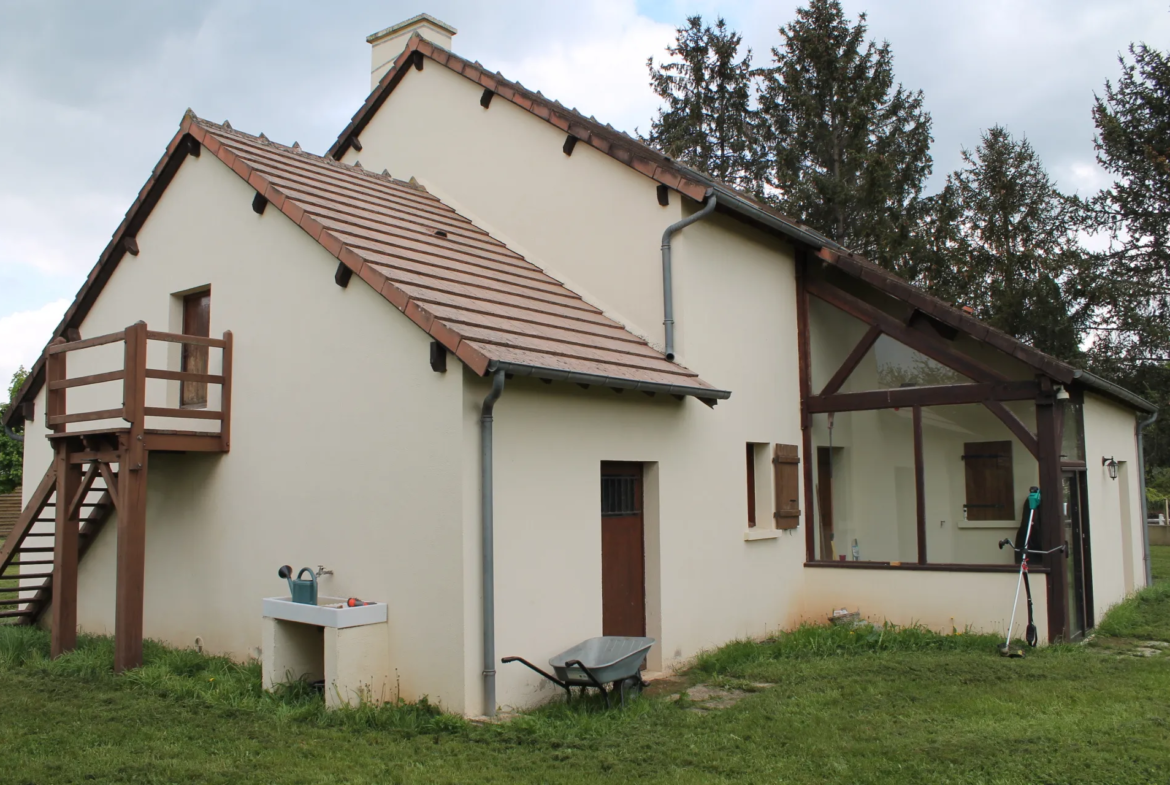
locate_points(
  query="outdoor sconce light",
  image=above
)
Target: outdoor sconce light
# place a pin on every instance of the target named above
(1061, 393)
(1112, 466)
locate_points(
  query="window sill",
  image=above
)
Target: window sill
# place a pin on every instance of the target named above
(759, 533)
(911, 566)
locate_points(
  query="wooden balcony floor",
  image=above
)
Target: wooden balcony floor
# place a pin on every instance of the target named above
(155, 440)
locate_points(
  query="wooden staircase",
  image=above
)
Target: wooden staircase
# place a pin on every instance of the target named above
(98, 471)
(27, 553)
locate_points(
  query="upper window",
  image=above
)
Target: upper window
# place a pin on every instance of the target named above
(990, 481)
(196, 321)
(621, 490)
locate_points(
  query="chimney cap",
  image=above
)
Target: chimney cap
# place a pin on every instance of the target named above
(414, 21)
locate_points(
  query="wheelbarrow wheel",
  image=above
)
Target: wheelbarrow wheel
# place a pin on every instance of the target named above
(631, 686)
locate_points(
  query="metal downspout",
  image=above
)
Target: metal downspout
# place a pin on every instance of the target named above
(667, 279)
(489, 572)
(16, 437)
(1141, 456)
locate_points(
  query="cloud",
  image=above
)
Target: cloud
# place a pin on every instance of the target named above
(84, 124)
(24, 334)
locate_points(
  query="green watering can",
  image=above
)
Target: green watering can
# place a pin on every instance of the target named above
(303, 591)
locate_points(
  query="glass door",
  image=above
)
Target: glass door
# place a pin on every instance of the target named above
(1076, 535)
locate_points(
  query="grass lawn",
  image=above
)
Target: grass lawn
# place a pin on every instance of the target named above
(825, 705)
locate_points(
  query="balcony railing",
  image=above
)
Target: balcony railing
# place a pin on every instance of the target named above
(133, 375)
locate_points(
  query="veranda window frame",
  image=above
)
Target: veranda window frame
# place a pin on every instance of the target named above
(922, 332)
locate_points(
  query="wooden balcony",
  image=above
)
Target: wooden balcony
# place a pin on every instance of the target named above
(137, 409)
(103, 469)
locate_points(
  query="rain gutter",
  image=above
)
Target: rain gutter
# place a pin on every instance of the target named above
(1141, 456)
(487, 511)
(577, 377)
(667, 272)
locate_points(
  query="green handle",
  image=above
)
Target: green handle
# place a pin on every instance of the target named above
(1034, 498)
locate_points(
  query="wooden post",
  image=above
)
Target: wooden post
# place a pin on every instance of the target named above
(131, 563)
(920, 484)
(225, 394)
(803, 350)
(132, 473)
(55, 371)
(134, 394)
(63, 626)
(1051, 523)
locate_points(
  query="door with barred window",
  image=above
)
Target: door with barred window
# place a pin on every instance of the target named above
(623, 551)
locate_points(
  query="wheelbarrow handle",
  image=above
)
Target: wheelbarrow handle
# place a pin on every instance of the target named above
(548, 676)
(589, 673)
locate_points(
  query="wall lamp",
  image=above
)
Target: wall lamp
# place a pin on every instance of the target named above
(1111, 465)
(1061, 393)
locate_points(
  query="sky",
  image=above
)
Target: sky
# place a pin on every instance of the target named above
(91, 91)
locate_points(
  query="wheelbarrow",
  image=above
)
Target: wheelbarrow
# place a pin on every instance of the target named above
(610, 659)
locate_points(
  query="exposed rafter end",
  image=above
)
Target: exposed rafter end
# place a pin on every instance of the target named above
(342, 276)
(547, 381)
(710, 402)
(355, 143)
(583, 386)
(193, 147)
(131, 245)
(618, 390)
(259, 202)
(570, 143)
(664, 195)
(649, 393)
(485, 100)
(72, 334)
(418, 61)
(438, 356)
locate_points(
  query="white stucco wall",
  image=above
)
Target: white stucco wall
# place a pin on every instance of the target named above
(345, 445)
(1115, 511)
(940, 601)
(587, 220)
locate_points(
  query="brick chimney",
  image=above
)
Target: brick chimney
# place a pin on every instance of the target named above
(388, 44)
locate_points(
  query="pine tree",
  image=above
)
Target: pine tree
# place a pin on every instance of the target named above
(1132, 287)
(1010, 240)
(849, 149)
(708, 122)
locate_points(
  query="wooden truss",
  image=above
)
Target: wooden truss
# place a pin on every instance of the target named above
(988, 387)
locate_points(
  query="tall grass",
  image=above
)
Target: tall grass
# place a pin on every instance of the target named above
(819, 641)
(189, 677)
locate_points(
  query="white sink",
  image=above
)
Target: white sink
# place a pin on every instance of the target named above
(321, 615)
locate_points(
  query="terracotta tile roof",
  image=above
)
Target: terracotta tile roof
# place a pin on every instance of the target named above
(696, 185)
(484, 302)
(9, 512)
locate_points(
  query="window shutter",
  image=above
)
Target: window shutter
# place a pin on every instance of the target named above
(990, 481)
(786, 483)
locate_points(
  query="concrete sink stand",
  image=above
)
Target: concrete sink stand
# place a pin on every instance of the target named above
(347, 647)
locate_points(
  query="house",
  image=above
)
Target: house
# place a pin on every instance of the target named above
(528, 381)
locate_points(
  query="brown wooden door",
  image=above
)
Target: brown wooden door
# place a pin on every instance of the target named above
(196, 321)
(623, 552)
